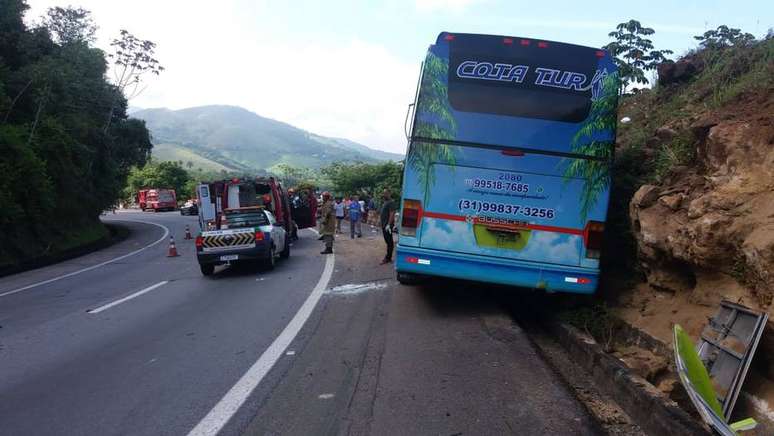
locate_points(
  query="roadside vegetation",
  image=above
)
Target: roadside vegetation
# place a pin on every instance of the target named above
(727, 65)
(66, 143)
(355, 178)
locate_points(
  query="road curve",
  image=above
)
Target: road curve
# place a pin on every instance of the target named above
(153, 364)
(129, 341)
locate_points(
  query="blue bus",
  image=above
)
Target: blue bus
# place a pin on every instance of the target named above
(507, 173)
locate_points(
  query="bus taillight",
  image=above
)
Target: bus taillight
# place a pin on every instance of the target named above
(592, 238)
(410, 217)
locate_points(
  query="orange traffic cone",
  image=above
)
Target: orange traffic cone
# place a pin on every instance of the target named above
(172, 248)
(187, 232)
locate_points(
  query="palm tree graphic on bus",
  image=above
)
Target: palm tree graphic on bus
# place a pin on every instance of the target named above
(602, 119)
(434, 120)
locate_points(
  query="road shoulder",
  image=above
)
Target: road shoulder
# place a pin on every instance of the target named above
(382, 358)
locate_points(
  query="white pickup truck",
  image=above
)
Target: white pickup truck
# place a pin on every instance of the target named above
(248, 234)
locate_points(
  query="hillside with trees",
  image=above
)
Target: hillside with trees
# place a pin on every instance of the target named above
(240, 140)
(66, 143)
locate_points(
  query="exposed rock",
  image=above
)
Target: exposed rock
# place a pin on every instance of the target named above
(643, 362)
(645, 196)
(716, 217)
(680, 71)
(672, 201)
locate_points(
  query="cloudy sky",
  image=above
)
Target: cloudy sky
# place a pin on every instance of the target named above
(349, 68)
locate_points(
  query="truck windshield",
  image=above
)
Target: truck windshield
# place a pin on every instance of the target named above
(247, 218)
(166, 196)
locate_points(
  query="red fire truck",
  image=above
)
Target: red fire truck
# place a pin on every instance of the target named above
(157, 199)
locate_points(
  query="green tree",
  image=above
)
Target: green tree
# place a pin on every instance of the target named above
(724, 36)
(169, 175)
(634, 53)
(295, 176)
(70, 25)
(59, 167)
(132, 59)
(362, 178)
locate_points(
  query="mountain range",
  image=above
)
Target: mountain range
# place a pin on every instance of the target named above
(233, 138)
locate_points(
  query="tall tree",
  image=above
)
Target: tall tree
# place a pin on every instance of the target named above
(168, 175)
(59, 167)
(724, 36)
(132, 59)
(70, 25)
(634, 53)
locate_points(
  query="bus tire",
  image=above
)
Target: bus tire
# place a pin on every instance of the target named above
(408, 279)
(207, 269)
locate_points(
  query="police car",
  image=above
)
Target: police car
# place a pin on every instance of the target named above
(248, 234)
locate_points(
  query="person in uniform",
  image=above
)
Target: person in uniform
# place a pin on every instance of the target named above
(327, 222)
(387, 223)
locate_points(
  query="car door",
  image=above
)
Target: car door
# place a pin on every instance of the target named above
(277, 233)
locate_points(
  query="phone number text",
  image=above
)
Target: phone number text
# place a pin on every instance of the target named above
(498, 185)
(478, 206)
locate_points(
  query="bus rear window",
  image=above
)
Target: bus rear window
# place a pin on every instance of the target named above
(525, 81)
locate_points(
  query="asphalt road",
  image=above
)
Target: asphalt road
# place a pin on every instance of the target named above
(221, 354)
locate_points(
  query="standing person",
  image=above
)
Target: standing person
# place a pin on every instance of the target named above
(294, 206)
(354, 218)
(387, 222)
(371, 211)
(339, 206)
(327, 223)
(363, 210)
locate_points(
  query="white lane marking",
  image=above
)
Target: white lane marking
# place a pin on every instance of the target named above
(325, 396)
(64, 276)
(217, 418)
(127, 298)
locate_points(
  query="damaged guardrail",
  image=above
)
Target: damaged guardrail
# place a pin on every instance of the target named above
(714, 375)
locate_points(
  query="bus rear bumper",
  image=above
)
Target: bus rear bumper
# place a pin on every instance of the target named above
(549, 277)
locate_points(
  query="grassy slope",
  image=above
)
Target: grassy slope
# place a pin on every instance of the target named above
(70, 240)
(172, 152)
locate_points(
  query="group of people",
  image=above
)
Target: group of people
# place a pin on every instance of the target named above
(355, 210)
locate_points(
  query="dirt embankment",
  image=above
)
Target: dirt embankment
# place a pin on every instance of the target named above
(700, 156)
(706, 231)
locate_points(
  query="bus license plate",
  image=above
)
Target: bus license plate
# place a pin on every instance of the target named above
(229, 257)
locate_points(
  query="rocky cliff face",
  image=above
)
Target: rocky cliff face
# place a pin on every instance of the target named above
(707, 228)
